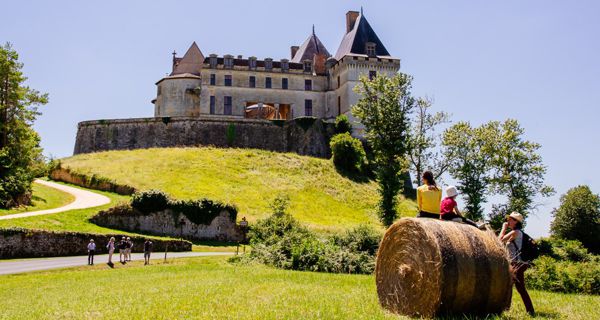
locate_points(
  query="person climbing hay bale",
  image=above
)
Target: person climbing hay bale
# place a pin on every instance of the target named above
(428, 267)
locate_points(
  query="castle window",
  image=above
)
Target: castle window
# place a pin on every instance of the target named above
(268, 64)
(228, 80)
(307, 66)
(213, 79)
(370, 49)
(284, 83)
(285, 65)
(268, 82)
(227, 105)
(159, 90)
(252, 82)
(228, 61)
(339, 105)
(307, 84)
(338, 78)
(213, 61)
(372, 74)
(212, 105)
(252, 63)
(308, 108)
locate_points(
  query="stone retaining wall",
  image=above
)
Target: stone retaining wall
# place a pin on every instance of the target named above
(305, 136)
(27, 243)
(169, 223)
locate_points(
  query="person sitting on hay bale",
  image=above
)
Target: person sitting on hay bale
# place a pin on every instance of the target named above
(428, 197)
(449, 209)
(514, 241)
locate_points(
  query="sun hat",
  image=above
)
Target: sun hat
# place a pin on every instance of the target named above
(517, 216)
(451, 191)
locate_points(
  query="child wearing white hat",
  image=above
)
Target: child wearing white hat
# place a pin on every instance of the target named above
(449, 208)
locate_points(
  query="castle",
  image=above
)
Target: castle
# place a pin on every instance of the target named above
(310, 83)
(229, 101)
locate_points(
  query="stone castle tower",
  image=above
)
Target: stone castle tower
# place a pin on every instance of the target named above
(310, 83)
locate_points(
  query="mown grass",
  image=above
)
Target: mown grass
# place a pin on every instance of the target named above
(43, 198)
(249, 179)
(210, 288)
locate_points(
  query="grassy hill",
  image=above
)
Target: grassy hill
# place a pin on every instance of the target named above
(249, 179)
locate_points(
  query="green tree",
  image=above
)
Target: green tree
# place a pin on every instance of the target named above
(383, 109)
(424, 141)
(347, 153)
(578, 218)
(466, 149)
(517, 168)
(342, 124)
(19, 144)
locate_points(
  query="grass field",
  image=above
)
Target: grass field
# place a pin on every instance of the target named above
(43, 198)
(249, 179)
(210, 288)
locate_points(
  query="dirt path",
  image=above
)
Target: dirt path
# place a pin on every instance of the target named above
(83, 199)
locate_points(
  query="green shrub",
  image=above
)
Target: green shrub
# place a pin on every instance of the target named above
(202, 211)
(347, 152)
(342, 124)
(150, 201)
(281, 241)
(564, 276)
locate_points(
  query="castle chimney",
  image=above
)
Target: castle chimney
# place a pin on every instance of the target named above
(351, 17)
(294, 49)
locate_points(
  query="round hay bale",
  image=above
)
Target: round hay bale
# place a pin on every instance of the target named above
(428, 267)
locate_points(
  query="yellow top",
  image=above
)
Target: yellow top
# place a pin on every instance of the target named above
(429, 198)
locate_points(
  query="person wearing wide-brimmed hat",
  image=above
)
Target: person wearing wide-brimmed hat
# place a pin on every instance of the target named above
(514, 244)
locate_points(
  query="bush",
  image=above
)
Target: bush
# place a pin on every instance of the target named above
(202, 211)
(564, 276)
(281, 241)
(342, 124)
(150, 201)
(347, 152)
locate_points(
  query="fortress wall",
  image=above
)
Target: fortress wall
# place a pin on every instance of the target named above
(304, 136)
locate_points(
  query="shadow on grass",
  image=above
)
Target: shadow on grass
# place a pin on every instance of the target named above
(356, 176)
(213, 243)
(39, 199)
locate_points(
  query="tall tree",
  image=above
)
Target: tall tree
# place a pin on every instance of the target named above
(424, 141)
(383, 109)
(578, 218)
(466, 148)
(517, 168)
(19, 144)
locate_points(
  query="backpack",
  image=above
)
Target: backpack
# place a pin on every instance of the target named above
(529, 248)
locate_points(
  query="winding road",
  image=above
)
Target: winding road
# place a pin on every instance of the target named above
(83, 199)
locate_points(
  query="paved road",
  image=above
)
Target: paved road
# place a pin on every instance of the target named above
(83, 199)
(28, 265)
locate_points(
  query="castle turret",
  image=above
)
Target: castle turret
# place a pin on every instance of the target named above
(179, 93)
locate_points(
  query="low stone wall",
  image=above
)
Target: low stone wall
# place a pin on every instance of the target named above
(27, 243)
(305, 136)
(93, 182)
(169, 223)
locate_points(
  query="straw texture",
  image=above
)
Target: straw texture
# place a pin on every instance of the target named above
(428, 267)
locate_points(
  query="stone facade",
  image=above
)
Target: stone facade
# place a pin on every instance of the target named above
(311, 83)
(24, 243)
(306, 136)
(169, 223)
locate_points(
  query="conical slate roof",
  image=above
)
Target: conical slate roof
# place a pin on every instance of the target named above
(191, 62)
(309, 48)
(355, 41)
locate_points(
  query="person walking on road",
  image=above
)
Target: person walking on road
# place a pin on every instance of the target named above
(111, 249)
(123, 250)
(514, 243)
(91, 247)
(128, 249)
(147, 251)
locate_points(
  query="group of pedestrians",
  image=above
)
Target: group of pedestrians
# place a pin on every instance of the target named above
(125, 246)
(431, 205)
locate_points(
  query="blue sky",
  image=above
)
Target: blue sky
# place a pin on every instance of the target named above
(535, 61)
